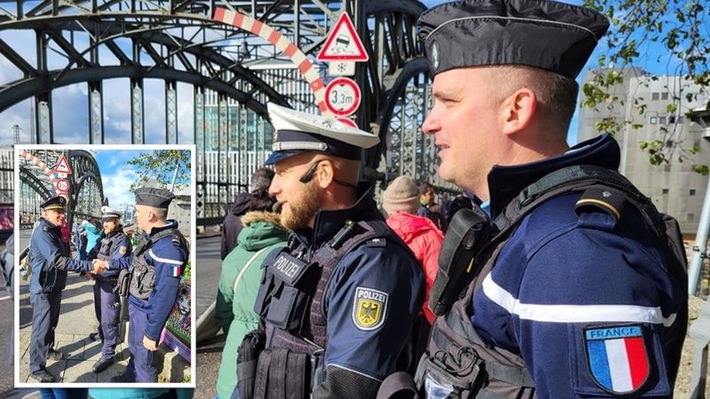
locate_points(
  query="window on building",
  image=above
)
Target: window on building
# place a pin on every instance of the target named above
(662, 120)
(654, 120)
(664, 191)
(664, 96)
(691, 192)
(655, 96)
(681, 119)
(671, 120)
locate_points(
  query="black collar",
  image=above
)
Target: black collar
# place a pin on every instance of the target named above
(329, 222)
(505, 182)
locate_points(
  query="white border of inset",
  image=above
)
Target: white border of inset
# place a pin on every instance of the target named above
(18, 148)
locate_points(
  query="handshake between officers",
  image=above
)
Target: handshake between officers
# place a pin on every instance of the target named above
(155, 268)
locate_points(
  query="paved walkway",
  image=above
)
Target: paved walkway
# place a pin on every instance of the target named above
(76, 321)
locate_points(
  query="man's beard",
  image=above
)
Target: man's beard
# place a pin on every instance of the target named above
(303, 208)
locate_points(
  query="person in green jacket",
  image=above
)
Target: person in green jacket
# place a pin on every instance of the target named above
(239, 282)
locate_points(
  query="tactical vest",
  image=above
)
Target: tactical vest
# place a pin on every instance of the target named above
(290, 302)
(106, 246)
(142, 273)
(458, 363)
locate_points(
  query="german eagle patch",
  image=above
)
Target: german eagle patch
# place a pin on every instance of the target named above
(369, 308)
(122, 250)
(617, 358)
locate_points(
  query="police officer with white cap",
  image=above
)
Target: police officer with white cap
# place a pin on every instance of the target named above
(339, 301)
(156, 265)
(574, 290)
(49, 262)
(113, 245)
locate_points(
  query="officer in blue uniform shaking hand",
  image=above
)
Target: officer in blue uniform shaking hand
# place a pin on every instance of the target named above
(113, 245)
(156, 265)
(576, 286)
(339, 302)
(49, 261)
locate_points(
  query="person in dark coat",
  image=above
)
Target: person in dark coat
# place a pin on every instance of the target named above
(49, 261)
(232, 224)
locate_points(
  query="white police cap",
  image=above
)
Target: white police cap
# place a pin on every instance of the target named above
(109, 213)
(297, 132)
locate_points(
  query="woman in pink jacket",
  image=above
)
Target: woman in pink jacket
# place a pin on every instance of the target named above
(401, 201)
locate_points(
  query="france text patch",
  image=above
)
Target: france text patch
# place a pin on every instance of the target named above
(369, 308)
(617, 358)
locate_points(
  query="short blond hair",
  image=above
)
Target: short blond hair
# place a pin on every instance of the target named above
(556, 94)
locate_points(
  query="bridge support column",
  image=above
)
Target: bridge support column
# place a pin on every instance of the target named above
(137, 132)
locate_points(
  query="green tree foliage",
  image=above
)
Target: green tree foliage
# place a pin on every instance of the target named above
(680, 29)
(160, 165)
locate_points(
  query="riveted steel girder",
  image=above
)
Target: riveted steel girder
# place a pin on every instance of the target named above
(178, 41)
(85, 185)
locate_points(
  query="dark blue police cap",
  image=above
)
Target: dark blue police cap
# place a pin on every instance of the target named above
(154, 197)
(57, 202)
(544, 34)
(297, 132)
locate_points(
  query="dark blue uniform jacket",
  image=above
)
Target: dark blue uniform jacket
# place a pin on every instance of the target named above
(583, 298)
(50, 259)
(169, 260)
(366, 354)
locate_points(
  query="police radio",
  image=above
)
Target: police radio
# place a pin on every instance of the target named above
(468, 232)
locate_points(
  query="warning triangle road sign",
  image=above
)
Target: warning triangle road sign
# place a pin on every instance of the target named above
(343, 43)
(62, 166)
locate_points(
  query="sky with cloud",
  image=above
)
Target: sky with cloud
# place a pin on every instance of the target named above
(70, 104)
(117, 176)
(71, 109)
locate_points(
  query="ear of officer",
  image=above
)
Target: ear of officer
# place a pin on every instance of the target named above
(536, 36)
(531, 270)
(359, 351)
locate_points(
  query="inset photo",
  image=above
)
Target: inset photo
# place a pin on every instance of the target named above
(105, 237)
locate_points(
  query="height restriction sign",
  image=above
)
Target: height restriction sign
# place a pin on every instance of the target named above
(342, 96)
(62, 185)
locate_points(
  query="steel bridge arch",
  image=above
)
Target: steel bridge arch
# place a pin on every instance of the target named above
(86, 194)
(29, 178)
(180, 42)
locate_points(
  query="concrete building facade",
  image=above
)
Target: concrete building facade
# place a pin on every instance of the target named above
(674, 187)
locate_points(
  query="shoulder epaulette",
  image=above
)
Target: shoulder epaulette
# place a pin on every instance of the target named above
(601, 198)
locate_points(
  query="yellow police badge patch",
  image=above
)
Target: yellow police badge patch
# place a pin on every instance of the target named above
(369, 308)
(122, 250)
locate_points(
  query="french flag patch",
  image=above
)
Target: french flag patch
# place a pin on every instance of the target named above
(618, 358)
(175, 271)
